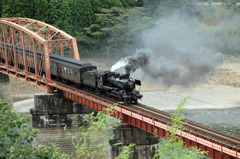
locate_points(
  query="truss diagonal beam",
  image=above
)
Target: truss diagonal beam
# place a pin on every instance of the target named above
(48, 33)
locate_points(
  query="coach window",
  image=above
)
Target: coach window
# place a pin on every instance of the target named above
(77, 72)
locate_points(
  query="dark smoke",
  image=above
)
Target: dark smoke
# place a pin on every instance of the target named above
(140, 60)
(181, 51)
(183, 70)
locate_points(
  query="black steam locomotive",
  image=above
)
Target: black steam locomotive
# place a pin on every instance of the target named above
(85, 75)
(116, 85)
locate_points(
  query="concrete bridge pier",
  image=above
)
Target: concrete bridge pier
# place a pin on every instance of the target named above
(5, 89)
(53, 110)
(51, 113)
(145, 143)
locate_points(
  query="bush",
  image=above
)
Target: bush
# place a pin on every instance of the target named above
(16, 137)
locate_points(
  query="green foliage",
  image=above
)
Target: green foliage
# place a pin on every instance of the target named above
(172, 146)
(16, 137)
(156, 8)
(96, 5)
(108, 4)
(1, 6)
(127, 150)
(40, 10)
(112, 27)
(140, 3)
(116, 31)
(27, 8)
(96, 24)
(128, 3)
(59, 15)
(14, 8)
(94, 139)
(83, 14)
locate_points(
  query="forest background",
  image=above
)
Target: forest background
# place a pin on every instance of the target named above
(112, 28)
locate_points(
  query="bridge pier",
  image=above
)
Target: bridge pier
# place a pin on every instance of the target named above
(5, 89)
(145, 143)
(52, 112)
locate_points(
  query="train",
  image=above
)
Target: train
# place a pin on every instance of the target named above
(84, 75)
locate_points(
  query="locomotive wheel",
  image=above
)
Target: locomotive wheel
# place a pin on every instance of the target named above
(135, 102)
(127, 101)
(120, 98)
(97, 91)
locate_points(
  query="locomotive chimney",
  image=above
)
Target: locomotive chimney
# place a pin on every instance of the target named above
(124, 75)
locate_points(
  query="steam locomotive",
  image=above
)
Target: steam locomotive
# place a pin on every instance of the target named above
(115, 85)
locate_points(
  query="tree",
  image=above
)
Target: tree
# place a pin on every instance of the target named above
(96, 5)
(1, 6)
(16, 137)
(93, 143)
(172, 146)
(140, 3)
(116, 31)
(17, 8)
(155, 8)
(59, 15)
(108, 4)
(128, 3)
(41, 10)
(84, 15)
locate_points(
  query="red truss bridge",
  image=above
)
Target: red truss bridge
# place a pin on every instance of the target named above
(21, 41)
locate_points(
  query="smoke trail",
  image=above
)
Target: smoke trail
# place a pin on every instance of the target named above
(179, 52)
(131, 63)
(140, 59)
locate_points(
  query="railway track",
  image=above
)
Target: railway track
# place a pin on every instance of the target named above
(191, 126)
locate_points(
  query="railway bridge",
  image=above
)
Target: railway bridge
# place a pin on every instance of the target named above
(36, 36)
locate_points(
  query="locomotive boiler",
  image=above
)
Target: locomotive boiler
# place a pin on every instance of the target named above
(115, 85)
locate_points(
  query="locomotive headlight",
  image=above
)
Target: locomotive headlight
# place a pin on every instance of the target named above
(130, 83)
(134, 91)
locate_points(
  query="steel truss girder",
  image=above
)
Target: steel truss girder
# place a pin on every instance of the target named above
(36, 36)
(57, 39)
(25, 37)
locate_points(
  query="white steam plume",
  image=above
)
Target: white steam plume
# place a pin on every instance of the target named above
(119, 64)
